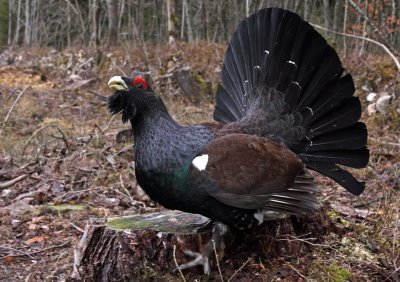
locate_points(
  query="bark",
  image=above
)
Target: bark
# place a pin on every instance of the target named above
(205, 18)
(68, 25)
(93, 7)
(112, 10)
(141, 247)
(363, 44)
(346, 7)
(326, 14)
(189, 85)
(188, 20)
(10, 21)
(170, 23)
(336, 18)
(28, 24)
(306, 9)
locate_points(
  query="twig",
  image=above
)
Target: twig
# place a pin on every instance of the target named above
(126, 192)
(108, 124)
(46, 249)
(239, 269)
(364, 38)
(33, 253)
(16, 250)
(298, 272)
(376, 29)
(177, 265)
(216, 258)
(36, 132)
(307, 241)
(101, 97)
(78, 252)
(13, 181)
(77, 227)
(12, 107)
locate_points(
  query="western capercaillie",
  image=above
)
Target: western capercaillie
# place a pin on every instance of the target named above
(284, 105)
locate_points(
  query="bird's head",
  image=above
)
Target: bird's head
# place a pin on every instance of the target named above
(132, 96)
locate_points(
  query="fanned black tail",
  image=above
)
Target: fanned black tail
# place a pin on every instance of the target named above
(282, 80)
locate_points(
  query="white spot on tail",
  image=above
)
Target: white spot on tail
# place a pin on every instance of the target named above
(266, 51)
(259, 217)
(200, 162)
(293, 63)
(311, 110)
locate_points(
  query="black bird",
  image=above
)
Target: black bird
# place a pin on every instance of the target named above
(285, 104)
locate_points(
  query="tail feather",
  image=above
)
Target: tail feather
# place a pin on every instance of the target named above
(282, 80)
(351, 138)
(333, 96)
(339, 175)
(339, 118)
(351, 158)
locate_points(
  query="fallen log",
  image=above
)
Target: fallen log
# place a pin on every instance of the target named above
(140, 247)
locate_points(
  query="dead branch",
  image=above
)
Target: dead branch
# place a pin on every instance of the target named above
(239, 269)
(13, 181)
(35, 252)
(12, 107)
(376, 29)
(16, 250)
(98, 95)
(78, 252)
(386, 49)
(36, 132)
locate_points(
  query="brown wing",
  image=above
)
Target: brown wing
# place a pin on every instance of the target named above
(253, 172)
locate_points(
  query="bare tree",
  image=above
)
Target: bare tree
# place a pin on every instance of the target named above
(306, 9)
(326, 10)
(112, 10)
(170, 22)
(346, 8)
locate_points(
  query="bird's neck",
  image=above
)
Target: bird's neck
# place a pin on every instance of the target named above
(161, 144)
(156, 135)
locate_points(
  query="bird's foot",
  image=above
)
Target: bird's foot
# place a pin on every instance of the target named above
(199, 259)
(203, 258)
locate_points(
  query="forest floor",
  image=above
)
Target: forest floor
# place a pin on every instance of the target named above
(60, 165)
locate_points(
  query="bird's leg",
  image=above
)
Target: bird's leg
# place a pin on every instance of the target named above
(202, 258)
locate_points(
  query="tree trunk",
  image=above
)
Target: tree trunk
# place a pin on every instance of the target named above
(306, 9)
(336, 18)
(150, 246)
(326, 14)
(346, 8)
(188, 20)
(28, 24)
(93, 7)
(170, 23)
(112, 10)
(10, 21)
(363, 42)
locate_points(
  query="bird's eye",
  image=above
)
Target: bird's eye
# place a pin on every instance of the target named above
(140, 83)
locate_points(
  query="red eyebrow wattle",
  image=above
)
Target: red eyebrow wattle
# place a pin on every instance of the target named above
(140, 80)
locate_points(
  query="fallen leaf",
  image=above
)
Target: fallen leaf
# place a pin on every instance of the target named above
(35, 239)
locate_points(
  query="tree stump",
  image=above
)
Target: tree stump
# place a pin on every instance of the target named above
(189, 85)
(144, 247)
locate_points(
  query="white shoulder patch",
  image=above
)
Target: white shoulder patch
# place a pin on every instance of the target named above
(260, 217)
(200, 162)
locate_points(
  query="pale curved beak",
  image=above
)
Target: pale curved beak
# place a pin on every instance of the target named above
(117, 83)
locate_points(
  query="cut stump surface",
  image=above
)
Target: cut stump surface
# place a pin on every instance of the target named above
(141, 247)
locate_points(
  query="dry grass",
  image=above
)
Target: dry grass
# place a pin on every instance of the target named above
(64, 139)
